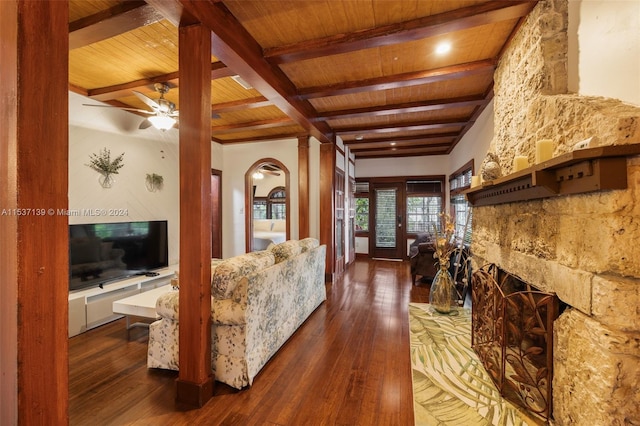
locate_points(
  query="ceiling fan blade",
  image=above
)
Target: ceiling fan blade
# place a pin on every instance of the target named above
(122, 108)
(145, 124)
(147, 100)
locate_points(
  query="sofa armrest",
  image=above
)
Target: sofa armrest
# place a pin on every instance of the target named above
(227, 312)
(167, 305)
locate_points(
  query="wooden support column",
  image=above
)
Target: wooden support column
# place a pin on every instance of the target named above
(327, 205)
(195, 381)
(34, 146)
(303, 186)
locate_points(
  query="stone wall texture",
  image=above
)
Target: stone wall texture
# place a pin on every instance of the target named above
(585, 247)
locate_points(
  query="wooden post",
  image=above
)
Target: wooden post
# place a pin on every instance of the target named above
(303, 186)
(327, 205)
(195, 381)
(34, 146)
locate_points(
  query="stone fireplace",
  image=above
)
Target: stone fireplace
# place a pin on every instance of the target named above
(584, 248)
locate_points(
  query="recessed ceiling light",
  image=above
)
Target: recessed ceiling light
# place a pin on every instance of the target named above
(443, 48)
(393, 144)
(359, 137)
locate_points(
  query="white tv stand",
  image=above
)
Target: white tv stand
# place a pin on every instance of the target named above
(92, 307)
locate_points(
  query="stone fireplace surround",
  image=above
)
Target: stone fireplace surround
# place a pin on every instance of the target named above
(582, 247)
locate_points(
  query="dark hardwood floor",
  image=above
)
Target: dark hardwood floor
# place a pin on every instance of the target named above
(348, 364)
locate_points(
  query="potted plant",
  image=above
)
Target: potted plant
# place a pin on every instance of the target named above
(154, 182)
(103, 164)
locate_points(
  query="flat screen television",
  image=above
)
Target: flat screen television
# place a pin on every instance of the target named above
(104, 252)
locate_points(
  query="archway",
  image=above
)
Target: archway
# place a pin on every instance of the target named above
(265, 177)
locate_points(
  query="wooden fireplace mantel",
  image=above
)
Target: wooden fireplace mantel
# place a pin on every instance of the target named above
(580, 171)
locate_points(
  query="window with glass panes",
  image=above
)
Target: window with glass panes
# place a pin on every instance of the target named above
(362, 206)
(276, 203)
(259, 208)
(460, 208)
(424, 205)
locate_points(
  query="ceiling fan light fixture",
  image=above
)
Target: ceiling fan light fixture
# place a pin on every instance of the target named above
(162, 122)
(258, 175)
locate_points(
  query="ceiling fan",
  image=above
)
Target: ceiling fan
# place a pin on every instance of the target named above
(266, 169)
(163, 114)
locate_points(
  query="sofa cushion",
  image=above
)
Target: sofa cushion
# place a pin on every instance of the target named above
(286, 250)
(307, 244)
(230, 271)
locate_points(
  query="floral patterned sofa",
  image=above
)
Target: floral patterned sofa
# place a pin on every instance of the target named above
(258, 300)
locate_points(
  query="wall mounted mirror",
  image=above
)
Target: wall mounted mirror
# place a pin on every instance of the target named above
(266, 204)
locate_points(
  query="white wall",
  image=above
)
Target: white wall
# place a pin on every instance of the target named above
(145, 151)
(402, 166)
(604, 48)
(475, 143)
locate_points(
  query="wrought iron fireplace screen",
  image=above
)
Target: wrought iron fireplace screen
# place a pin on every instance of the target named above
(512, 333)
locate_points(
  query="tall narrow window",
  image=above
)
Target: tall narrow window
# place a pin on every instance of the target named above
(362, 207)
(460, 208)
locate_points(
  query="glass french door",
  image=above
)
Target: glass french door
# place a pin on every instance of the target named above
(388, 232)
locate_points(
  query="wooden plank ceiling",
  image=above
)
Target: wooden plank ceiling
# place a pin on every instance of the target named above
(367, 71)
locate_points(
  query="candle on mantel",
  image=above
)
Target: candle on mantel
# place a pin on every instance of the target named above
(544, 150)
(520, 162)
(475, 181)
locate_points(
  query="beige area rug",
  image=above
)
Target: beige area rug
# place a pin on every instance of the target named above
(450, 385)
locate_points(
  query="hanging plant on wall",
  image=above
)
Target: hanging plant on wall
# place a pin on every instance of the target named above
(154, 182)
(103, 164)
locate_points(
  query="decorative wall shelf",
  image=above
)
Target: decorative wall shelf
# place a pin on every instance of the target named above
(577, 172)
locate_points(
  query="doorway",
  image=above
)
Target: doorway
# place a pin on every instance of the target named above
(267, 206)
(387, 239)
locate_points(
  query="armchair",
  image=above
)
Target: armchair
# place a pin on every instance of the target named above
(421, 258)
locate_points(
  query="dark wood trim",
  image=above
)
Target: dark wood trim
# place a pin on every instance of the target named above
(195, 380)
(388, 128)
(466, 166)
(327, 205)
(254, 125)
(303, 187)
(34, 151)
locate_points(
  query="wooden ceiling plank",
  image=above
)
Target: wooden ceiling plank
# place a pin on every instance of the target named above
(409, 107)
(234, 46)
(109, 23)
(277, 136)
(400, 80)
(428, 26)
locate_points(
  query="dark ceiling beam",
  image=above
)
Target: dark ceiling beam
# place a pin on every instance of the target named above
(114, 21)
(218, 70)
(275, 136)
(403, 108)
(400, 80)
(406, 139)
(400, 148)
(417, 144)
(428, 26)
(241, 104)
(254, 125)
(403, 127)
(398, 153)
(235, 47)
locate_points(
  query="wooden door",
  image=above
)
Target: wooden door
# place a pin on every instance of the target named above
(387, 233)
